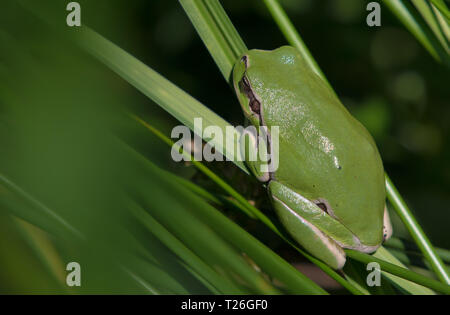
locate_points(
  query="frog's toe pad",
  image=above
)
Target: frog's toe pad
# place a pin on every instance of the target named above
(387, 226)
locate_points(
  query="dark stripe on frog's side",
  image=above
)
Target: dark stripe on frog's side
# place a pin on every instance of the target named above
(254, 104)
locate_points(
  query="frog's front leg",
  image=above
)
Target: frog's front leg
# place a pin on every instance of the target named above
(304, 232)
(254, 147)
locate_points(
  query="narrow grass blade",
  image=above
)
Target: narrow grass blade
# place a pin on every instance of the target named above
(406, 13)
(416, 261)
(357, 273)
(416, 231)
(430, 15)
(292, 36)
(411, 287)
(404, 245)
(46, 217)
(171, 98)
(210, 277)
(44, 249)
(440, 5)
(395, 268)
(216, 31)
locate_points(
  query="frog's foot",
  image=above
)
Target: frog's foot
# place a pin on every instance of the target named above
(387, 226)
(309, 236)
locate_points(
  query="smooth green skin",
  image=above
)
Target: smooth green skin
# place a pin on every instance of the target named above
(324, 154)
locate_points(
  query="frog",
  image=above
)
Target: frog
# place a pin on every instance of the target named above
(328, 189)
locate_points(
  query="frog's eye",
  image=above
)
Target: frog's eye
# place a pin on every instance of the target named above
(322, 206)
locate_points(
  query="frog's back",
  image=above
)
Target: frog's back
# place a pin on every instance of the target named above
(337, 158)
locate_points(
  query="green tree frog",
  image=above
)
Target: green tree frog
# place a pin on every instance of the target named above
(328, 190)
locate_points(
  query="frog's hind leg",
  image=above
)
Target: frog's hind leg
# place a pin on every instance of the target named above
(309, 236)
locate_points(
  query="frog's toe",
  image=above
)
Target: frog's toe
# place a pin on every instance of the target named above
(387, 226)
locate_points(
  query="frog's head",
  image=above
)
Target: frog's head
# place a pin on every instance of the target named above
(256, 68)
